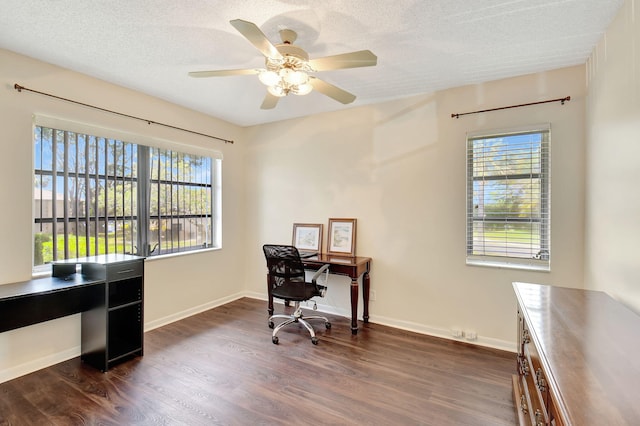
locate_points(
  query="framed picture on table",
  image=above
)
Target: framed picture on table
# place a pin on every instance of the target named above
(307, 237)
(342, 237)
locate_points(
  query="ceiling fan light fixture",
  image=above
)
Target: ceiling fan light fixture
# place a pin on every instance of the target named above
(302, 89)
(285, 80)
(269, 78)
(293, 77)
(277, 90)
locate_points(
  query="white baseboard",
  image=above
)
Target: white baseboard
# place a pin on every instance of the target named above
(38, 364)
(443, 333)
(412, 326)
(191, 311)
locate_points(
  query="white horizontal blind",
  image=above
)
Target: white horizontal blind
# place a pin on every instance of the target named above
(508, 204)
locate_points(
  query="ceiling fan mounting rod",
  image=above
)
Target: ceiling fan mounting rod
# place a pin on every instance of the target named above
(288, 36)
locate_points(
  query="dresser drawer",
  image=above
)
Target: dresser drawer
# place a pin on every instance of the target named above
(124, 270)
(521, 401)
(554, 416)
(532, 382)
(538, 375)
(538, 413)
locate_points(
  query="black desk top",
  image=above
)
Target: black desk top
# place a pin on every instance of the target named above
(44, 286)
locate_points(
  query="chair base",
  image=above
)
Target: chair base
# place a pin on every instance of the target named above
(296, 317)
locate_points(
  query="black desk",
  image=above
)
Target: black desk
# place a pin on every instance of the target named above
(31, 302)
(108, 291)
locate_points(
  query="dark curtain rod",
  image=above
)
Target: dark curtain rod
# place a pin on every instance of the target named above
(561, 100)
(21, 88)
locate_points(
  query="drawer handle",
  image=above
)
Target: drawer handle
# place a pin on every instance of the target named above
(125, 271)
(523, 366)
(540, 381)
(523, 404)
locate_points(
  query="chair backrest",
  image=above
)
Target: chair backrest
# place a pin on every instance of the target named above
(285, 266)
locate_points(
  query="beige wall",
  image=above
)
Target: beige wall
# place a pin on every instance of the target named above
(612, 261)
(399, 168)
(174, 287)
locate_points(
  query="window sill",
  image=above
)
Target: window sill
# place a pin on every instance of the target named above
(509, 265)
(47, 273)
(181, 253)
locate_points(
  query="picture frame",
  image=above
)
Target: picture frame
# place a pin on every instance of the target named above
(307, 237)
(342, 237)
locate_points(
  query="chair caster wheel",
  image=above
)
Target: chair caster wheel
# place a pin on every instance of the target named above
(274, 339)
(327, 325)
(271, 325)
(314, 340)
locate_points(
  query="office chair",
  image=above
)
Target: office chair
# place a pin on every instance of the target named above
(287, 282)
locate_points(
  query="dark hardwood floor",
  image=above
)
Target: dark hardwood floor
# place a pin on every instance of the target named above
(220, 367)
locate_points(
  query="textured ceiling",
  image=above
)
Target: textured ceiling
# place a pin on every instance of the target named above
(422, 45)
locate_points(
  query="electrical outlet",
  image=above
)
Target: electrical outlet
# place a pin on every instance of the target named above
(470, 335)
(457, 333)
(372, 295)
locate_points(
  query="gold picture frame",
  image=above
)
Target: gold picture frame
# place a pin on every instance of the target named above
(307, 237)
(342, 237)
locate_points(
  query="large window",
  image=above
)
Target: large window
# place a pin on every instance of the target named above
(508, 205)
(95, 195)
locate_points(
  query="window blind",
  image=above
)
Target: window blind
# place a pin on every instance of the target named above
(508, 203)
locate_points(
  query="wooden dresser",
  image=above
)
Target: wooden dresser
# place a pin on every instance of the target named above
(578, 358)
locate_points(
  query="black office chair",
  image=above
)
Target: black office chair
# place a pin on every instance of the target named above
(287, 282)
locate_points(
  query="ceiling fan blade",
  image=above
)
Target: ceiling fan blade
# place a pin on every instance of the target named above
(331, 91)
(361, 58)
(223, 73)
(252, 33)
(270, 101)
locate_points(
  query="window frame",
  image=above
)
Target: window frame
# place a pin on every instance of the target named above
(145, 145)
(543, 261)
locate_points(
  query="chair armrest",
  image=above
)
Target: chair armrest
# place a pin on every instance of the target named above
(318, 273)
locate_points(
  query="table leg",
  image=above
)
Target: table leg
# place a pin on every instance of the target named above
(354, 305)
(366, 285)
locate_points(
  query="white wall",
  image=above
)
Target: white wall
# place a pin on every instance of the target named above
(399, 168)
(174, 287)
(612, 261)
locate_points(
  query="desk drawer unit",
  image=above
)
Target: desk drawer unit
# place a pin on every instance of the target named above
(121, 271)
(114, 331)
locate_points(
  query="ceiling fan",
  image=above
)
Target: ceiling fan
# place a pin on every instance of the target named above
(288, 67)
